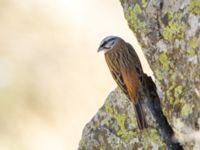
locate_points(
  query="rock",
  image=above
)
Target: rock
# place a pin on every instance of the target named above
(114, 127)
(169, 34)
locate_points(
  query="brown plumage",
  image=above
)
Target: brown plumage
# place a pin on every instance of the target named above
(126, 70)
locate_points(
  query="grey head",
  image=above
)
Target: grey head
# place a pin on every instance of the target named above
(108, 43)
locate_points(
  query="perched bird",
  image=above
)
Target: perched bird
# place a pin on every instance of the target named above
(126, 70)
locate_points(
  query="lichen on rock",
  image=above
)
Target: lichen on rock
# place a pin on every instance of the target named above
(174, 55)
(114, 127)
(169, 34)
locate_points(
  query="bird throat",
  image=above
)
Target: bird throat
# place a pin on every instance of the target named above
(106, 50)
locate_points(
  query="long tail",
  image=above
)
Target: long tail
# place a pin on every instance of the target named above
(141, 121)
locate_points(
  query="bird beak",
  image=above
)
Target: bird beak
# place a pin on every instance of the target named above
(100, 49)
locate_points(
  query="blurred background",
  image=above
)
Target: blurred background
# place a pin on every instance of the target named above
(52, 80)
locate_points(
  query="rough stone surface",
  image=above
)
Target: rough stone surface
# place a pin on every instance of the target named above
(114, 127)
(169, 34)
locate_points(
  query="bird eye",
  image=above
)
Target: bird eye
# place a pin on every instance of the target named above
(103, 44)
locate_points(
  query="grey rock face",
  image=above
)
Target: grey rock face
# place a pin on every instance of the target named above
(169, 34)
(114, 127)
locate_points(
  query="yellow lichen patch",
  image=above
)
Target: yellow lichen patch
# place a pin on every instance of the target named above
(124, 133)
(186, 109)
(164, 61)
(153, 136)
(177, 91)
(195, 7)
(193, 43)
(173, 31)
(133, 18)
(191, 52)
(108, 108)
(159, 75)
(144, 3)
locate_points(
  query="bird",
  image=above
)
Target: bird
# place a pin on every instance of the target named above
(126, 69)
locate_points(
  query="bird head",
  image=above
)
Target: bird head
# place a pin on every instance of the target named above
(108, 43)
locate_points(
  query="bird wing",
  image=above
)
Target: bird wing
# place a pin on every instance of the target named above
(119, 80)
(134, 56)
(115, 72)
(136, 61)
(132, 83)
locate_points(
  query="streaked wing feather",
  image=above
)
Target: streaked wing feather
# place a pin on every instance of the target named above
(119, 80)
(136, 61)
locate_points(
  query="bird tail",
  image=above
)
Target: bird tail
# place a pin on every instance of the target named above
(141, 121)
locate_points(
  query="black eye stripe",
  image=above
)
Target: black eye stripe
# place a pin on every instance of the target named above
(103, 44)
(107, 41)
